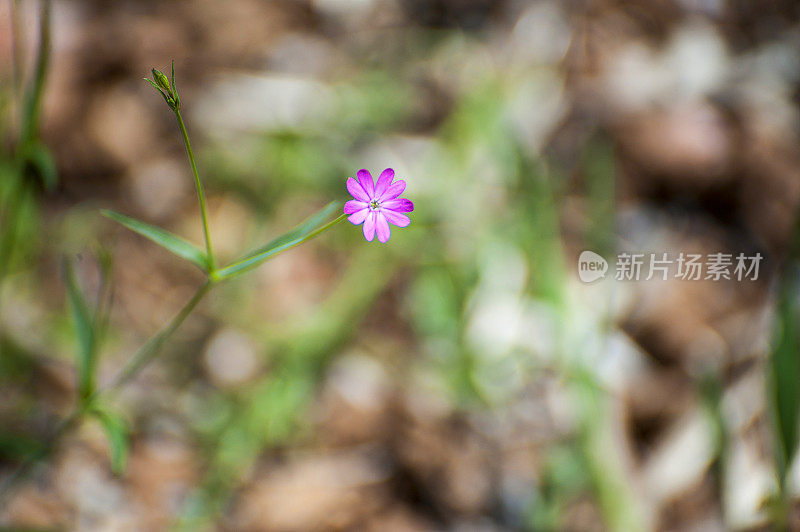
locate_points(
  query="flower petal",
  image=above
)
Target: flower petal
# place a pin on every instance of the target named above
(369, 227)
(382, 227)
(356, 190)
(399, 205)
(354, 206)
(358, 217)
(393, 191)
(383, 182)
(367, 184)
(395, 218)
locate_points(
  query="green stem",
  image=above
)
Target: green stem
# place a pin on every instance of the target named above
(200, 194)
(151, 348)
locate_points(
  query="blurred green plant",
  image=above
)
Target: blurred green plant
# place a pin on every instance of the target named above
(32, 161)
(564, 479)
(118, 434)
(89, 327)
(84, 326)
(783, 378)
(478, 136)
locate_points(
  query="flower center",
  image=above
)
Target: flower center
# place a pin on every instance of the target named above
(374, 205)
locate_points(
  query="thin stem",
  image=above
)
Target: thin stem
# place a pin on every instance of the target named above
(151, 348)
(200, 194)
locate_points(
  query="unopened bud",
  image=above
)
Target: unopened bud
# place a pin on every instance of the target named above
(160, 79)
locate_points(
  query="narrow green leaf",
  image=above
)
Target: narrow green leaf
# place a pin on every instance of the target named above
(305, 231)
(117, 431)
(170, 241)
(105, 293)
(163, 94)
(84, 330)
(784, 363)
(154, 84)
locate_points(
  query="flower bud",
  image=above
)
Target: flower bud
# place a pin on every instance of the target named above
(160, 79)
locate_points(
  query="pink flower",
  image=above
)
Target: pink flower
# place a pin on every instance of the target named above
(377, 205)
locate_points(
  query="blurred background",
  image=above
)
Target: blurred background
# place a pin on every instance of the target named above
(460, 377)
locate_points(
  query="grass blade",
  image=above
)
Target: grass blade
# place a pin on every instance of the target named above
(169, 241)
(84, 330)
(785, 371)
